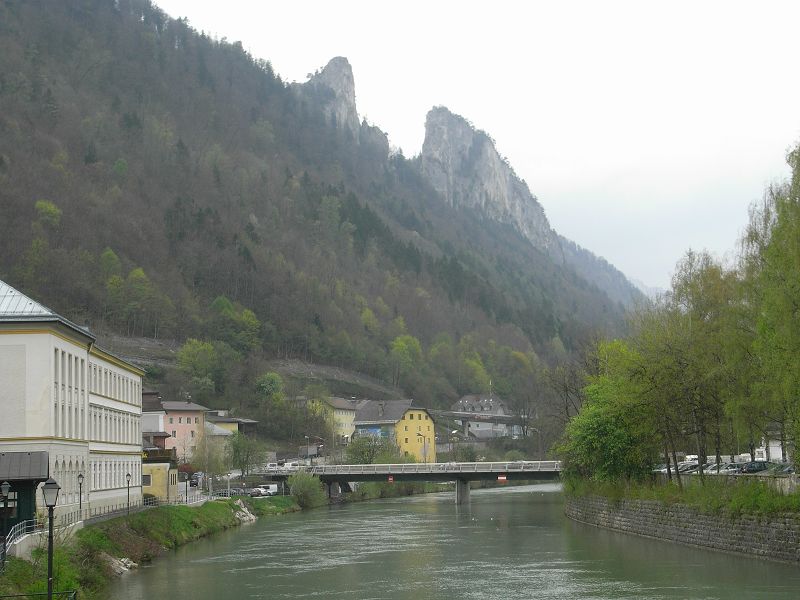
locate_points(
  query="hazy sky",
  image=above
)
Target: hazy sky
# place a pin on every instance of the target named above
(644, 128)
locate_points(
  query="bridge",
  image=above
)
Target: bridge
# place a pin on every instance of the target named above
(460, 473)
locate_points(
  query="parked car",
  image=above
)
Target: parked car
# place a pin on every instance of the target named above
(270, 489)
(729, 468)
(777, 470)
(755, 466)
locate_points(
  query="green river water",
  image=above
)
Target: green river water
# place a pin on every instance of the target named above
(508, 543)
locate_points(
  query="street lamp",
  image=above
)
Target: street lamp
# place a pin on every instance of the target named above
(50, 491)
(128, 479)
(5, 489)
(540, 440)
(453, 438)
(424, 447)
(80, 495)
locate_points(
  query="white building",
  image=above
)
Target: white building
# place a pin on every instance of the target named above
(61, 394)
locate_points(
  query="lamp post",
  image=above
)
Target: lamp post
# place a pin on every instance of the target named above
(128, 479)
(80, 495)
(50, 491)
(540, 440)
(5, 489)
(452, 439)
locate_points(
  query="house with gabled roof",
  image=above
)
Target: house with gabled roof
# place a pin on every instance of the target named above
(410, 427)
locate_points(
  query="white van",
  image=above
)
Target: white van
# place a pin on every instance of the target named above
(266, 489)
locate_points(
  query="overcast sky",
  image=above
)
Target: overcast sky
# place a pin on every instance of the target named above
(644, 128)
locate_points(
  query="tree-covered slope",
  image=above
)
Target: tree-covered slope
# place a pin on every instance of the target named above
(156, 182)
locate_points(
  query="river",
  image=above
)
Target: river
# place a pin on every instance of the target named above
(508, 543)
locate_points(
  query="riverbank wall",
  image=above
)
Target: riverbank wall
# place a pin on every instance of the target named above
(773, 537)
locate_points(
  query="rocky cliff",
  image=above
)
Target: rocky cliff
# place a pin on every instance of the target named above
(336, 89)
(464, 166)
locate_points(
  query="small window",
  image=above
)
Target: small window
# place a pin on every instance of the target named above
(406, 440)
(170, 420)
(429, 427)
(192, 432)
(426, 417)
(411, 416)
(146, 480)
(405, 427)
(173, 433)
(197, 419)
(180, 419)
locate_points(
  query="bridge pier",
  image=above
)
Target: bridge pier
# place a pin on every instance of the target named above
(462, 491)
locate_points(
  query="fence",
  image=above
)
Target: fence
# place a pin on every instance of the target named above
(70, 595)
(785, 484)
(93, 515)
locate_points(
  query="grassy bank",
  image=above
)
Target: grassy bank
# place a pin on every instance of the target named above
(718, 495)
(80, 563)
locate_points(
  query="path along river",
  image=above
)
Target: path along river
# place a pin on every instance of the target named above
(509, 543)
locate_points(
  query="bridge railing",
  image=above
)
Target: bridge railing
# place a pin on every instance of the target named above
(473, 467)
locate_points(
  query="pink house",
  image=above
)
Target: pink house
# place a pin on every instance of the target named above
(185, 423)
(181, 424)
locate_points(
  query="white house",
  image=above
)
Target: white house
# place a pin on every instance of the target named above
(61, 394)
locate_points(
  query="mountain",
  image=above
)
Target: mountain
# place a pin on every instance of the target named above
(465, 168)
(156, 182)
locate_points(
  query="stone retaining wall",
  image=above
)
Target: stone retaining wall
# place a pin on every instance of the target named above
(774, 538)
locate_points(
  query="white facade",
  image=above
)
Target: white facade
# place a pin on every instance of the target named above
(60, 394)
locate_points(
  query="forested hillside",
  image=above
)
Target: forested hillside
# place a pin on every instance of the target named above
(155, 182)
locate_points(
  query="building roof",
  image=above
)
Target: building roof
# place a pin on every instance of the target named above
(341, 403)
(382, 411)
(17, 307)
(24, 466)
(212, 429)
(479, 403)
(177, 405)
(217, 419)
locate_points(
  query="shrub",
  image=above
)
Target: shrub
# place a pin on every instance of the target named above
(307, 490)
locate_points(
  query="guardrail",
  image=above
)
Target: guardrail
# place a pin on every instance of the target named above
(22, 529)
(474, 467)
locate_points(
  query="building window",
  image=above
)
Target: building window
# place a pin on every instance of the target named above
(192, 432)
(170, 420)
(180, 419)
(406, 440)
(411, 416)
(429, 427)
(426, 417)
(405, 427)
(146, 480)
(197, 419)
(173, 433)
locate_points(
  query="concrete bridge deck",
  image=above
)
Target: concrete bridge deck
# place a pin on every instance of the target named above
(461, 473)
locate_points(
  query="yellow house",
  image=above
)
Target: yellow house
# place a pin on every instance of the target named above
(160, 474)
(410, 427)
(344, 414)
